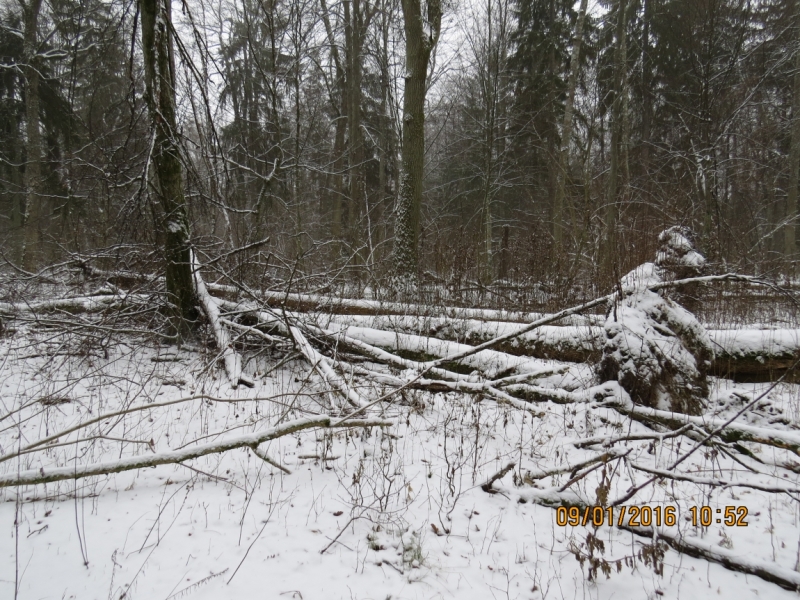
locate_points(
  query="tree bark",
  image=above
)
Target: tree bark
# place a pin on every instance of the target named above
(489, 126)
(790, 239)
(358, 15)
(159, 70)
(34, 212)
(609, 250)
(336, 189)
(386, 186)
(352, 15)
(422, 33)
(566, 132)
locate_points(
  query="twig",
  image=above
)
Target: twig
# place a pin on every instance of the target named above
(608, 442)
(266, 458)
(487, 486)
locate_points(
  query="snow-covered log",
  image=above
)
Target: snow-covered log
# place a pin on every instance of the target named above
(488, 362)
(740, 354)
(74, 305)
(349, 306)
(573, 343)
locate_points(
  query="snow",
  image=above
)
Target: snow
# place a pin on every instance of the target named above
(399, 310)
(399, 512)
(233, 363)
(655, 348)
(678, 251)
(734, 342)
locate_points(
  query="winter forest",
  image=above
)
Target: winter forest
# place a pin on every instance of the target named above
(399, 299)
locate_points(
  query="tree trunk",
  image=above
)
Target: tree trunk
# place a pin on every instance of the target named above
(647, 92)
(790, 239)
(336, 189)
(490, 109)
(34, 213)
(422, 33)
(296, 172)
(566, 132)
(387, 132)
(609, 250)
(159, 71)
(358, 15)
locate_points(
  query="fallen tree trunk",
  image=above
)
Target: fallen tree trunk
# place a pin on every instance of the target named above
(347, 306)
(742, 355)
(747, 355)
(74, 305)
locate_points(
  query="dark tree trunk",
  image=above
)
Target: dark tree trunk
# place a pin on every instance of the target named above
(335, 185)
(34, 213)
(790, 239)
(160, 96)
(387, 132)
(566, 133)
(609, 251)
(422, 33)
(358, 15)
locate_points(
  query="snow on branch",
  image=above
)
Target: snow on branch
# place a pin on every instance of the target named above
(233, 362)
(252, 440)
(727, 431)
(734, 561)
(772, 488)
(117, 413)
(321, 365)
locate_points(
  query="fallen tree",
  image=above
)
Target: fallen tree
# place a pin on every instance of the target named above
(739, 354)
(398, 361)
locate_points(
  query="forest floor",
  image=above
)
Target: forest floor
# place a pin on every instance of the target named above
(370, 512)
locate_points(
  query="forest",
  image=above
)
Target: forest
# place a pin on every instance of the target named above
(399, 299)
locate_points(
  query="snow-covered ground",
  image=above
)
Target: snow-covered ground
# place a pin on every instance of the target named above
(365, 513)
